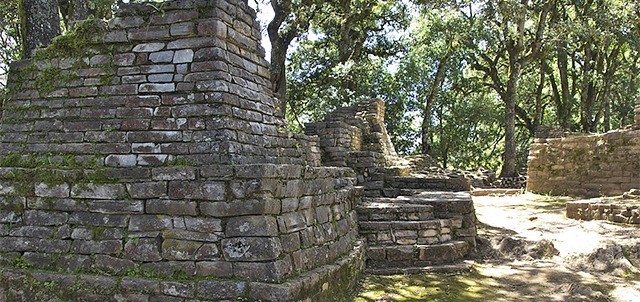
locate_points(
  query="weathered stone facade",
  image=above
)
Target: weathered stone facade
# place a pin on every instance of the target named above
(144, 159)
(586, 165)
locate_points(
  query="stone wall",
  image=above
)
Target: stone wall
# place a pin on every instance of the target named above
(586, 165)
(595, 210)
(149, 149)
(356, 137)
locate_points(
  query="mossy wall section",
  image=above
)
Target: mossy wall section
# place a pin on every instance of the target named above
(586, 165)
(151, 147)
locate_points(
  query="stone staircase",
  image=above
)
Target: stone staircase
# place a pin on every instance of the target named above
(416, 228)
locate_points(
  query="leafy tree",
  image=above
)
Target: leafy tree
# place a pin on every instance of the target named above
(341, 59)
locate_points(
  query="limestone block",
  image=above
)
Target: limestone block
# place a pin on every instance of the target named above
(264, 271)
(251, 249)
(53, 190)
(146, 190)
(220, 269)
(173, 249)
(116, 206)
(182, 29)
(171, 207)
(145, 223)
(98, 191)
(113, 264)
(251, 226)
(176, 289)
(91, 247)
(143, 249)
(220, 290)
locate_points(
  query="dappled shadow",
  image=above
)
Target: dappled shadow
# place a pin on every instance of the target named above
(514, 282)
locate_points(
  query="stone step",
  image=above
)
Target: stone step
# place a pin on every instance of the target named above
(393, 211)
(398, 171)
(458, 267)
(419, 255)
(427, 183)
(407, 232)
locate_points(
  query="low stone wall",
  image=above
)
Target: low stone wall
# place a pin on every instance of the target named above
(586, 165)
(619, 213)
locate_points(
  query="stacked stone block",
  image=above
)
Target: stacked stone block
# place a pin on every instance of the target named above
(586, 165)
(151, 147)
(619, 213)
(356, 137)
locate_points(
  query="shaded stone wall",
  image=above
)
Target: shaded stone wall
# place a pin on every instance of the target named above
(587, 165)
(149, 148)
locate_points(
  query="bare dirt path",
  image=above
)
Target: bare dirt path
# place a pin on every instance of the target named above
(592, 261)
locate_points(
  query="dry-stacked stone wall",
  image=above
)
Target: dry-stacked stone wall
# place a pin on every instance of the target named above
(614, 212)
(144, 159)
(356, 137)
(586, 165)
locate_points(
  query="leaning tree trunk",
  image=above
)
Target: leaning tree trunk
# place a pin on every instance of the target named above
(40, 24)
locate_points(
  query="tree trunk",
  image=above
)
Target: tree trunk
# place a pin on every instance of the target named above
(277, 71)
(564, 108)
(40, 24)
(426, 111)
(510, 152)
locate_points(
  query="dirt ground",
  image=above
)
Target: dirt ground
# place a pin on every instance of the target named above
(530, 251)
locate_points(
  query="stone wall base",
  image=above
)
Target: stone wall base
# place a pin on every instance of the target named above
(334, 282)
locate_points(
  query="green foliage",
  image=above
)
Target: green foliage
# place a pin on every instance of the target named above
(341, 60)
(9, 38)
(73, 43)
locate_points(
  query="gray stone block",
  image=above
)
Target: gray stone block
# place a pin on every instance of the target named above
(147, 190)
(45, 218)
(161, 57)
(203, 224)
(156, 87)
(98, 219)
(116, 207)
(183, 56)
(251, 226)
(52, 190)
(177, 289)
(197, 190)
(174, 173)
(220, 290)
(145, 223)
(99, 191)
(251, 249)
(220, 269)
(182, 29)
(173, 249)
(91, 247)
(171, 207)
(143, 249)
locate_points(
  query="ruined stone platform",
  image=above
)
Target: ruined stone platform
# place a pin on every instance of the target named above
(612, 210)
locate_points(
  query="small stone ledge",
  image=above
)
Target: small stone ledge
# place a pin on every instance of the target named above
(333, 282)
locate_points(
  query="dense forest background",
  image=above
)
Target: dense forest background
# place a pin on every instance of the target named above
(468, 82)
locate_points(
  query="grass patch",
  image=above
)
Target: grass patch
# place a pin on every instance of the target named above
(471, 286)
